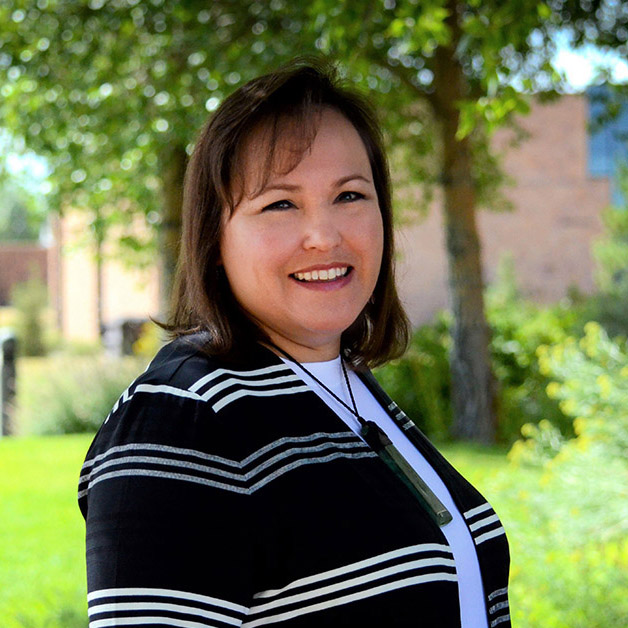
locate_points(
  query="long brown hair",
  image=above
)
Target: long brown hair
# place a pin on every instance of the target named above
(287, 100)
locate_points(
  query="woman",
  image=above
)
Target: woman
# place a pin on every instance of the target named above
(256, 474)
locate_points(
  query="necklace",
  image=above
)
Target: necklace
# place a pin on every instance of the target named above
(379, 442)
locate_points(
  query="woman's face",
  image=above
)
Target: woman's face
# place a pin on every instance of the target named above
(303, 256)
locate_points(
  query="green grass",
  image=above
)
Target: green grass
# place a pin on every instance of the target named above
(42, 566)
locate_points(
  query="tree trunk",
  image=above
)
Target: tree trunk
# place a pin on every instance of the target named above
(99, 229)
(173, 171)
(99, 290)
(473, 389)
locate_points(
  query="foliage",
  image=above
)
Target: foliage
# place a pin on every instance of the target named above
(591, 383)
(16, 222)
(582, 495)
(23, 207)
(109, 91)
(70, 394)
(29, 300)
(150, 341)
(519, 327)
(105, 90)
(609, 306)
(419, 381)
(592, 388)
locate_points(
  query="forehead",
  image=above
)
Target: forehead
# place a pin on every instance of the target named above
(290, 145)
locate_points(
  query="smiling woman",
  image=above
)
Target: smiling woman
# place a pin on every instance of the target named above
(256, 474)
(283, 144)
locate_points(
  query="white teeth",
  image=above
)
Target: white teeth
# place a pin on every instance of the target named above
(323, 275)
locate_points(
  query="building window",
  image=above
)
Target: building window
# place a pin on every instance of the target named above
(608, 139)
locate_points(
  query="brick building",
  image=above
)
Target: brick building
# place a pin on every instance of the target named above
(556, 217)
(21, 260)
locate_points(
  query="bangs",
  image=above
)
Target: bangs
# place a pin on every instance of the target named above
(277, 144)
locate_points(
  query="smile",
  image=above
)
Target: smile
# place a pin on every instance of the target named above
(329, 274)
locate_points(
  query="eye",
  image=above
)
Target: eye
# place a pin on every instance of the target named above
(278, 205)
(350, 196)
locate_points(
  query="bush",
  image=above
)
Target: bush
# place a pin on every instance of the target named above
(591, 384)
(580, 561)
(420, 382)
(150, 341)
(70, 394)
(519, 327)
(30, 299)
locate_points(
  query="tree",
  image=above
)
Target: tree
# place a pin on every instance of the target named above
(473, 63)
(111, 92)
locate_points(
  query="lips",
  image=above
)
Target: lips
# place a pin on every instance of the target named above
(322, 275)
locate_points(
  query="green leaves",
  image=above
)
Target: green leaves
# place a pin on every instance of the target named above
(493, 111)
(103, 89)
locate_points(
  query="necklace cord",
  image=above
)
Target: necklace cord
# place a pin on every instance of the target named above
(353, 410)
(355, 405)
(378, 440)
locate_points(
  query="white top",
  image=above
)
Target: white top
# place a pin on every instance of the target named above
(470, 588)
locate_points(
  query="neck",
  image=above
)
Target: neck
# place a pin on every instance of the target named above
(303, 353)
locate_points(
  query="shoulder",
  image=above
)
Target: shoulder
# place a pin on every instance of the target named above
(185, 397)
(166, 384)
(183, 373)
(164, 425)
(194, 418)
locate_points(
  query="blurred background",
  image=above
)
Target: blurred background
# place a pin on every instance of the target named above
(507, 130)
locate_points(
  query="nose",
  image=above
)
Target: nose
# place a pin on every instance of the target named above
(321, 231)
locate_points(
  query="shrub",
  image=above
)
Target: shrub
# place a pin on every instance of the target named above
(70, 394)
(577, 547)
(150, 341)
(519, 327)
(591, 384)
(420, 382)
(30, 299)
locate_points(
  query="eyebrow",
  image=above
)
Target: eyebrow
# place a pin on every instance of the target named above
(293, 188)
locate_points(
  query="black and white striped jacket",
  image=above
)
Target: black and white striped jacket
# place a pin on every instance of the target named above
(231, 495)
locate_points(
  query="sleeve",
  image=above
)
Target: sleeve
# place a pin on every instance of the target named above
(168, 539)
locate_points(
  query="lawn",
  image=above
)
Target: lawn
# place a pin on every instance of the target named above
(42, 571)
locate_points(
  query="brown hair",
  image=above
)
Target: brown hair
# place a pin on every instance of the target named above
(289, 99)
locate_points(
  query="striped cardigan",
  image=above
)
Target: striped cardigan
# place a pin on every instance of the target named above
(229, 494)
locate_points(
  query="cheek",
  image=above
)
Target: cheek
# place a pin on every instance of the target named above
(372, 242)
(250, 255)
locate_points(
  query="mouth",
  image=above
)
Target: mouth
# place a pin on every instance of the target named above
(323, 275)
